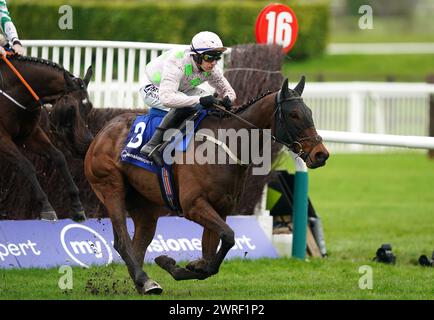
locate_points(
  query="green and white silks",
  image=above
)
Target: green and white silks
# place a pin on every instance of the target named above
(177, 77)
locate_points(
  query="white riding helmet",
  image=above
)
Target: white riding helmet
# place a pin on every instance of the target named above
(206, 41)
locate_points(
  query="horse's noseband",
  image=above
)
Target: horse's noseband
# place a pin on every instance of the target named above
(297, 146)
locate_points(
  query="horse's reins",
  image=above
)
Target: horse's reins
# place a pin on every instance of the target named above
(247, 122)
(293, 145)
(23, 81)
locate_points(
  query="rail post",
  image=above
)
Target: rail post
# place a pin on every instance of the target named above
(299, 208)
(430, 79)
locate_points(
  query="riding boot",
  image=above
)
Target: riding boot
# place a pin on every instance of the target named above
(171, 120)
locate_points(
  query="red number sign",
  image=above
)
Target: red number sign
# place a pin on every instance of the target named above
(277, 24)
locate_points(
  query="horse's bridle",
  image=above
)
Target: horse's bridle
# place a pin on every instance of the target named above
(296, 145)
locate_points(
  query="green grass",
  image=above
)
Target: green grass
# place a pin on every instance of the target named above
(407, 68)
(263, 279)
(367, 200)
(364, 200)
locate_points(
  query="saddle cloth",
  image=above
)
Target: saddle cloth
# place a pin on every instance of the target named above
(141, 132)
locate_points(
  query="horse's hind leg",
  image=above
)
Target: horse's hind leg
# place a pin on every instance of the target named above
(122, 242)
(108, 185)
(10, 152)
(145, 223)
(41, 144)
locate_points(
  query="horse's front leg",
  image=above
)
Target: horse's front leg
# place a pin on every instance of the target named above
(41, 144)
(210, 241)
(204, 214)
(145, 223)
(209, 264)
(10, 152)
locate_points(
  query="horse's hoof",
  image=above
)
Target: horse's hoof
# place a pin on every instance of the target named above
(164, 261)
(152, 287)
(49, 215)
(79, 216)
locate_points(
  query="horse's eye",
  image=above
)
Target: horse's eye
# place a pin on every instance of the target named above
(84, 101)
(294, 115)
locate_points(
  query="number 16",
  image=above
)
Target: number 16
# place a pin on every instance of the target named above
(279, 32)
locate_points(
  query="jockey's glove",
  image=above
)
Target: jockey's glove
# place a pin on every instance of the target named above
(227, 103)
(208, 101)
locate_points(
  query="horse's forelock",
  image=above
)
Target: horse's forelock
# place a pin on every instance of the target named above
(304, 110)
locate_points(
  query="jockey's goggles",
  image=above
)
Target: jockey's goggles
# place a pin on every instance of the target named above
(211, 56)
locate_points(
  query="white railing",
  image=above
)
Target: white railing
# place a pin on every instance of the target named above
(357, 107)
(118, 66)
(370, 107)
(413, 142)
(381, 48)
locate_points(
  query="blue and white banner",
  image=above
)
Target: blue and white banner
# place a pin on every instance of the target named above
(43, 244)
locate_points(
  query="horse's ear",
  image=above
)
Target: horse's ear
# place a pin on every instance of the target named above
(88, 76)
(68, 80)
(300, 86)
(285, 89)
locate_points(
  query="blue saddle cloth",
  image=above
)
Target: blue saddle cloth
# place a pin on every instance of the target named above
(141, 132)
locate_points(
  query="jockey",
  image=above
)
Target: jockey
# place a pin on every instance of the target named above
(171, 85)
(10, 32)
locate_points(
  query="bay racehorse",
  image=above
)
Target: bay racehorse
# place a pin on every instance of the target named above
(207, 192)
(20, 121)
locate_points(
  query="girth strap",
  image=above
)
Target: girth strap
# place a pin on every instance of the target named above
(167, 188)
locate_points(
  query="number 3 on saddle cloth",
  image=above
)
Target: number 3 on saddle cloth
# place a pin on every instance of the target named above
(141, 132)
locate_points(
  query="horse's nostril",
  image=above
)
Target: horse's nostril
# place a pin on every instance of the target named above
(322, 156)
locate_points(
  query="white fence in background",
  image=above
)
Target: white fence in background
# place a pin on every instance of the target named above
(413, 142)
(381, 48)
(369, 107)
(118, 66)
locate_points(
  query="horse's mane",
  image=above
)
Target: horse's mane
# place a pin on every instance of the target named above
(252, 101)
(41, 61)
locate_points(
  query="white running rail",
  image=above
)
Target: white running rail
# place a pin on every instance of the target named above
(413, 142)
(381, 48)
(118, 65)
